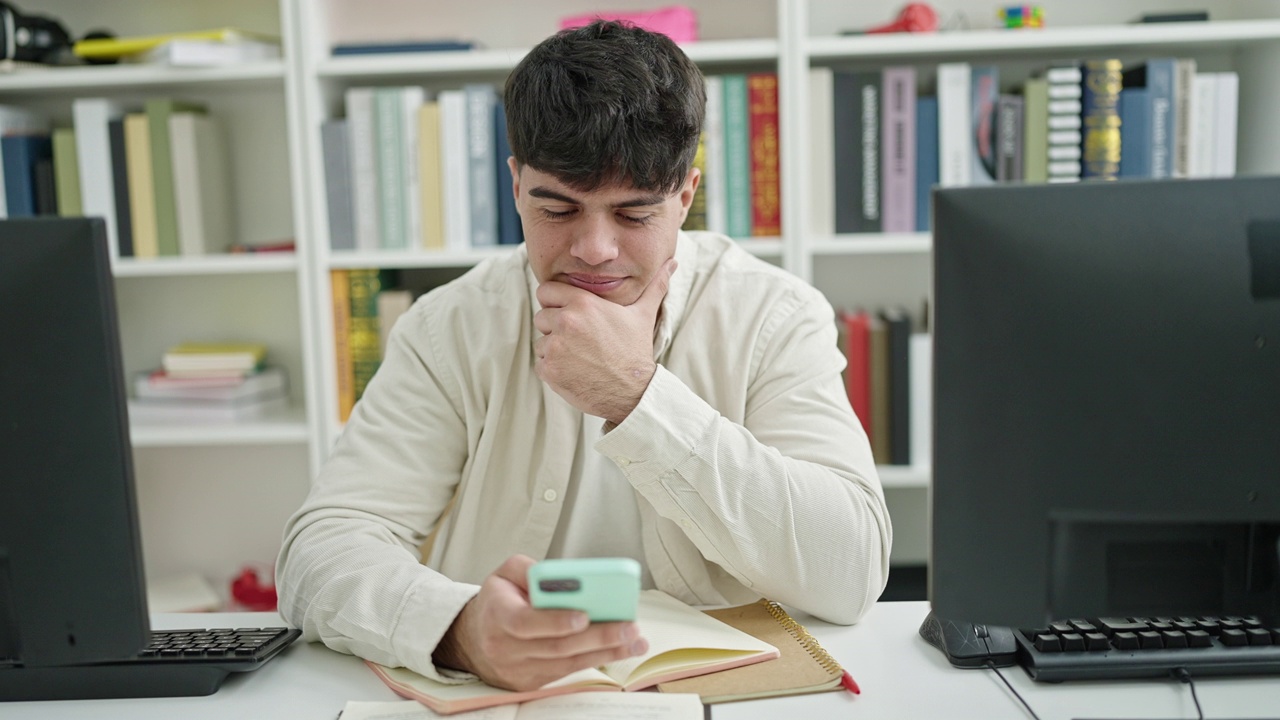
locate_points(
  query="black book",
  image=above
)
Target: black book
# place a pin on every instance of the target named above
(120, 181)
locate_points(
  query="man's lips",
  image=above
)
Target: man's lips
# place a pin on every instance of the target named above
(595, 283)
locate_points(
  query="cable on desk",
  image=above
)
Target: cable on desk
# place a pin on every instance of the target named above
(1009, 685)
(1184, 676)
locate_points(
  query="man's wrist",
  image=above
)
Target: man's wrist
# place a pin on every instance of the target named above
(451, 652)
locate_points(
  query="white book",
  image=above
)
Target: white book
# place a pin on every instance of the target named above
(391, 305)
(1064, 152)
(822, 153)
(920, 364)
(364, 171)
(92, 118)
(715, 183)
(411, 100)
(199, 53)
(1064, 137)
(17, 120)
(201, 184)
(454, 178)
(1225, 125)
(954, 161)
(1065, 107)
(1184, 98)
(197, 411)
(155, 385)
(1201, 135)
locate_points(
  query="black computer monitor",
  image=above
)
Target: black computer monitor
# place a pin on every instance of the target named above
(1107, 401)
(72, 590)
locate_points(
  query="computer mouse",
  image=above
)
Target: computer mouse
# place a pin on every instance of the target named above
(970, 645)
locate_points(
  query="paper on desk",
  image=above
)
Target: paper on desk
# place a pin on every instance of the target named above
(596, 706)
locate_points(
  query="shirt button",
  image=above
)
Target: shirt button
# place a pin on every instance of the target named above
(623, 462)
(549, 495)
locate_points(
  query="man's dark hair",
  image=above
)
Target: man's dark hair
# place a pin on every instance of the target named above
(607, 103)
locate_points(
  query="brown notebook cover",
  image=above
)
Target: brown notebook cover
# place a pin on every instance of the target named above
(803, 666)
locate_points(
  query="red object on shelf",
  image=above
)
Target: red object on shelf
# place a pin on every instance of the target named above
(250, 593)
(915, 17)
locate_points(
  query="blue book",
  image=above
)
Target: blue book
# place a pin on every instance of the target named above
(509, 230)
(403, 47)
(926, 158)
(21, 155)
(1135, 133)
(1157, 77)
(480, 100)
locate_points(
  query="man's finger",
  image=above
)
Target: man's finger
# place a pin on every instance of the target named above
(555, 294)
(651, 298)
(515, 570)
(545, 320)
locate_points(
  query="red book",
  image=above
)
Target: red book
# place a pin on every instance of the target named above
(766, 179)
(858, 376)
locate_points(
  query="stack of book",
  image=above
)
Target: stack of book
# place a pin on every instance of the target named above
(888, 378)
(203, 382)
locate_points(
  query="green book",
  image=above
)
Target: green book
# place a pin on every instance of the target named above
(158, 111)
(364, 331)
(389, 151)
(737, 156)
(1035, 131)
(66, 173)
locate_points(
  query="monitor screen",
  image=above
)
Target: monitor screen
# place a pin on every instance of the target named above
(71, 578)
(1107, 401)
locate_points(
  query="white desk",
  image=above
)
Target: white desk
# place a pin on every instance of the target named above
(900, 674)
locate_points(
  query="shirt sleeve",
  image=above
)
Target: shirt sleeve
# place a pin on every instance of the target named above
(788, 501)
(349, 572)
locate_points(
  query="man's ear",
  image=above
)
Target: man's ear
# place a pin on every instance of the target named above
(515, 177)
(687, 192)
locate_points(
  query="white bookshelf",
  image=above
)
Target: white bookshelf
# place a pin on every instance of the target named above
(274, 110)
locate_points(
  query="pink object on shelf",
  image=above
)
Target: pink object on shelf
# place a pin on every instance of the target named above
(677, 22)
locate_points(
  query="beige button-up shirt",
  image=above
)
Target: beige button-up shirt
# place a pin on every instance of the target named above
(752, 474)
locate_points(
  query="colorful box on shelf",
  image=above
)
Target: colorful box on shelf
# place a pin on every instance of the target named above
(678, 22)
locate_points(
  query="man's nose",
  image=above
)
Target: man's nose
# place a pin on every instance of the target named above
(596, 240)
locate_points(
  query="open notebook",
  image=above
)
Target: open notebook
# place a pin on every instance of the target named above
(682, 643)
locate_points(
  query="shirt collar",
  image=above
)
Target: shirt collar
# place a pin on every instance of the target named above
(673, 305)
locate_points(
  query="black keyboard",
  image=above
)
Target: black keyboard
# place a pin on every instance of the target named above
(175, 663)
(1114, 648)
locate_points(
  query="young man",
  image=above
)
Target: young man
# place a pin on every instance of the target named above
(614, 387)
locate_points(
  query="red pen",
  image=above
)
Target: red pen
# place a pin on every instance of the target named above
(850, 684)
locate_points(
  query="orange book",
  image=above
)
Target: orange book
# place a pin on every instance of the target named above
(766, 178)
(857, 330)
(344, 369)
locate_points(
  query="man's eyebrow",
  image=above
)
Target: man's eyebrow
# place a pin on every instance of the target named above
(640, 201)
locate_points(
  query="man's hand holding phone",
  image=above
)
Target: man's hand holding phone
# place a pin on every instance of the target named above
(501, 637)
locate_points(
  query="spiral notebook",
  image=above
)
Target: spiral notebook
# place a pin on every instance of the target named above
(803, 666)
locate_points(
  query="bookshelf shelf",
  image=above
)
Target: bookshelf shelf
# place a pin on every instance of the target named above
(904, 476)
(62, 80)
(479, 62)
(287, 428)
(1049, 42)
(206, 265)
(873, 244)
(412, 258)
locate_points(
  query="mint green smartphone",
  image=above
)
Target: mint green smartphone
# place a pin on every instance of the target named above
(606, 589)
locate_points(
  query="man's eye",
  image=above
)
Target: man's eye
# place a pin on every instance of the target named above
(556, 214)
(636, 219)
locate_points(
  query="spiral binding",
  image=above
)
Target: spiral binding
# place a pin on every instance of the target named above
(807, 641)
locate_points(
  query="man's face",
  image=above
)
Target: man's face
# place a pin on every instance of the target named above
(610, 241)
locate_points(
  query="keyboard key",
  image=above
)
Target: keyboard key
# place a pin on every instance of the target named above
(1048, 642)
(1150, 640)
(1112, 626)
(1209, 625)
(1096, 641)
(1185, 625)
(1174, 638)
(1199, 639)
(1061, 628)
(1072, 641)
(1258, 636)
(1233, 637)
(1083, 626)
(1161, 626)
(1126, 641)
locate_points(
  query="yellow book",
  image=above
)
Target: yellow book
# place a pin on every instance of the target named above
(431, 198)
(682, 643)
(105, 48)
(195, 357)
(142, 194)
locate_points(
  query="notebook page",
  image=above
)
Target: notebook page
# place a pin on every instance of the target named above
(414, 710)
(669, 625)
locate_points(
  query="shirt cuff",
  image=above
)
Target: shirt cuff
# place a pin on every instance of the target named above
(664, 429)
(427, 615)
